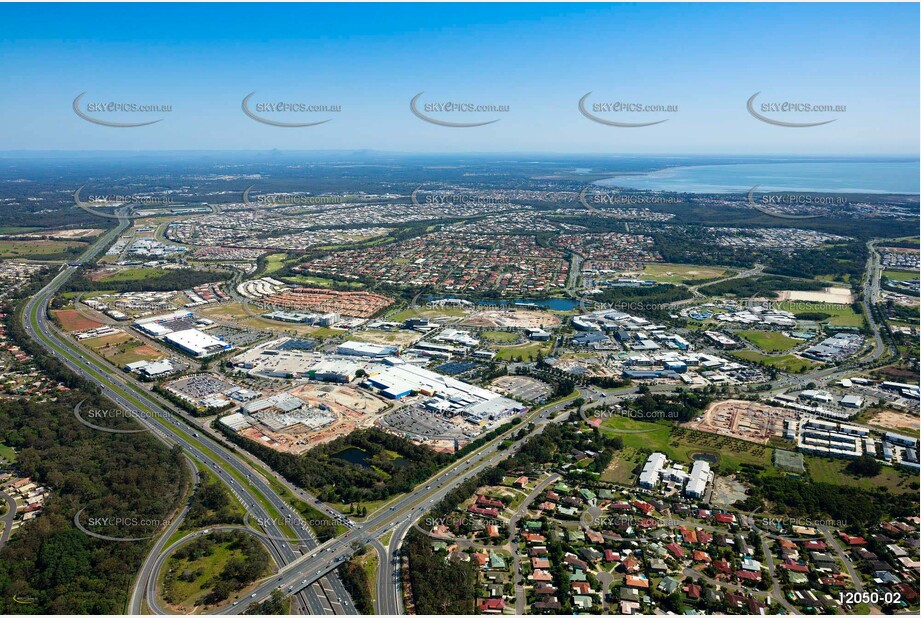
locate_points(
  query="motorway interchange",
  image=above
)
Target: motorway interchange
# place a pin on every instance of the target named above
(305, 567)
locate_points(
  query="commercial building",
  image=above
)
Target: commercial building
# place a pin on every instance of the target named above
(699, 478)
(360, 348)
(451, 396)
(649, 477)
(196, 343)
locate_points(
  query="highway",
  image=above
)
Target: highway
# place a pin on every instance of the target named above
(305, 566)
(398, 515)
(246, 484)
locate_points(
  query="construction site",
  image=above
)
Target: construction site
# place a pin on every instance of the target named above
(511, 318)
(299, 419)
(743, 420)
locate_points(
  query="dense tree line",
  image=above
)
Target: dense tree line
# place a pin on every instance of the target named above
(170, 280)
(680, 406)
(764, 285)
(210, 505)
(49, 562)
(839, 261)
(646, 298)
(355, 579)
(439, 587)
(334, 479)
(853, 505)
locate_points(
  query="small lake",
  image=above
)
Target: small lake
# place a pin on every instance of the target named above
(556, 304)
(355, 456)
(710, 458)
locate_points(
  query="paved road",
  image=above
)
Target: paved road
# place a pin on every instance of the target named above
(8, 518)
(166, 552)
(520, 597)
(246, 483)
(147, 572)
(398, 515)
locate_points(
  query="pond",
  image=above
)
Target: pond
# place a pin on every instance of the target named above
(710, 458)
(355, 455)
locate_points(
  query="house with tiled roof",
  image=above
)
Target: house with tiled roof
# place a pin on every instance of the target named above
(675, 550)
(852, 540)
(540, 563)
(540, 575)
(637, 581)
(748, 576)
(492, 606)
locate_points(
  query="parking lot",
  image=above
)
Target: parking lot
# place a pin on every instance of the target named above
(419, 424)
(240, 337)
(522, 388)
(199, 386)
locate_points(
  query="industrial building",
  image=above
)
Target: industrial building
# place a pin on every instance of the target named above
(831, 439)
(151, 370)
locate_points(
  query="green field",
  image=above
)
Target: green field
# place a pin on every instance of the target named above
(34, 249)
(7, 453)
(900, 275)
(135, 274)
(526, 351)
(681, 444)
(274, 263)
(498, 336)
(787, 362)
(676, 273)
(841, 315)
(203, 572)
(833, 471)
(621, 469)
(768, 341)
(320, 282)
(121, 349)
(428, 312)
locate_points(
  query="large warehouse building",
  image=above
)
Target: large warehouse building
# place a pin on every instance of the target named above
(196, 343)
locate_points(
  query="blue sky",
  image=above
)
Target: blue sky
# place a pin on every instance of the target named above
(538, 59)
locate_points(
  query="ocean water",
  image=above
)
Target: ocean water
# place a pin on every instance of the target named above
(825, 176)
